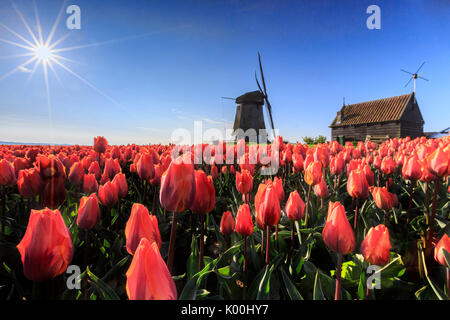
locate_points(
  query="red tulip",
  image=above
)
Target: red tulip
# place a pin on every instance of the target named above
(444, 243)
(178, 186)
(108, 194)
(20, 164)
(141, 225)
(100, 144)
(244, 223)
(295, 207)
(148, 277)
(388, 165)
(46, 248)
(94, 168)
(357, 186)
(267, 204)
(54, 192)
(88, 212)
(376, 245)
(337, 165)
(244, 182)
(120, 181)
(337, 233)
(205, 194)
(321, 190)
(90, 184)
(297, 160)
(145, 167)
(7, 175)
(50, 167)
(438, 162)
(278, 184)
(156, 180)
(313, 173)
(369, 174)
(411, 168)
(112, 167)
(214, 172)
(30, 183)
(227, 223)
(383, 198)
(76, 173)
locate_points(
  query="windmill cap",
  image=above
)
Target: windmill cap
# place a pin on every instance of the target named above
(253, 96)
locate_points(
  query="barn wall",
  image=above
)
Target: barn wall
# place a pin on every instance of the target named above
(412, 121)
(360, 132)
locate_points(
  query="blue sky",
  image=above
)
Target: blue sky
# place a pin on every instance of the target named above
(170, 62)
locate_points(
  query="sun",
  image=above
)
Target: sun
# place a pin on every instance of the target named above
(43, 53)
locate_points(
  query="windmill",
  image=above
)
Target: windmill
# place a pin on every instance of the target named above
(414, 76)
(249, 110)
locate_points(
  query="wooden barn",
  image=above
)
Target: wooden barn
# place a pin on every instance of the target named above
(378, 120)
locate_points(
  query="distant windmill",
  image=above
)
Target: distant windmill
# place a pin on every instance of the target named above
(414, 76)
(249, 112)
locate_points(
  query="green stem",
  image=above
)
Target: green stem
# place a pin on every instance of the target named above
(173, 235)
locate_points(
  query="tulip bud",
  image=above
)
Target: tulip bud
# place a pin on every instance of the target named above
(267, 204)
(383, 198)
(227, 223)
(411, 168)
(108, 194)
(388, 165)
(94, 168)
(141, 225)
(54, 192)
(357, 186)
(244, 223)
(30, 183)
(46, 249)
(88, 212)
(90, 185)
(313, 173)
(244, 182)
(7, 175)
(112, 167)
(76, 173)
(295, 207)
(148, 277)
(376, 245)
(278, 184)
(100, 144)
(145, 167)
(205, 194)
(321, 190)
(120, 181)
(444, 243)
(438, 162)
(177, 191)
(337, 233)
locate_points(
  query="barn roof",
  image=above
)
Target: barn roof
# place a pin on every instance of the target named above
(381, 110)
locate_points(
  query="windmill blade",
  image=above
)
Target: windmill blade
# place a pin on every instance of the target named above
(269, 107)
(423, 78)
(408, 82)
(262, 75)
(228, 98)
(420, 66)
(407, 72)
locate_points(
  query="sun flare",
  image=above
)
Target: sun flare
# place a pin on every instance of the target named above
(43, 53)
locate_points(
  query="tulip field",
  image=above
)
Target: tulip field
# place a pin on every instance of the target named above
(360, 221)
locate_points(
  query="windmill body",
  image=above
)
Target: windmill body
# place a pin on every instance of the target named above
(249, 115)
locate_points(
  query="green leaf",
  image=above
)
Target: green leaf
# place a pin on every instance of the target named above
(446, 257)
(318, 293)
(361, 286)
(189, 291)
(107, 292)
(290, 287)
(264, 285)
